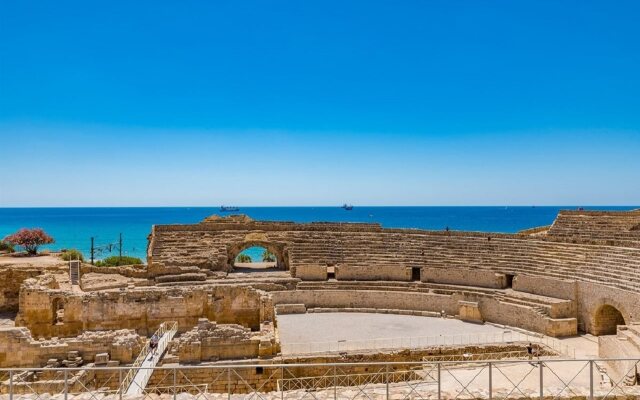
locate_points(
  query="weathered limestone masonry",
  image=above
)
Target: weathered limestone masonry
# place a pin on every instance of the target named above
(12, 278)
(554, 283)
(212, 342)
(266, 377)
(620, 228)
(141, 309)
(19, 349)
(524, 272)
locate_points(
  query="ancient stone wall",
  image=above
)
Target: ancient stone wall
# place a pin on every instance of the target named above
(12, 278)
(592, 296)
(372, 253)
(464, 276)
(266, 376)
(552, 287)
(129, 271)
(18, 348)
(551, 265)
(209, 341)
(49, 311)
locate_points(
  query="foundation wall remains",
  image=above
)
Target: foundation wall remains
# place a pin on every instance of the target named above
(12, 278)
(18, 348)
(140, 309)
(210, 341)
(266, 377)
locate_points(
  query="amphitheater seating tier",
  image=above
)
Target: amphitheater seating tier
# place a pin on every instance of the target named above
(363, 250)
(613, 228)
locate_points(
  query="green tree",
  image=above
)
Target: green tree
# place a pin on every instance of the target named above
(72, 254)
(115, 261)
(243, 258)
(6, 247)
(268, 256)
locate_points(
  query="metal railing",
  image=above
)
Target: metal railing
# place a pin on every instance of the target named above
(545, 379)
(495, 356)
(508, 336)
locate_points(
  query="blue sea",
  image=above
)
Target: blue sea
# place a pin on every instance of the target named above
(74, 227)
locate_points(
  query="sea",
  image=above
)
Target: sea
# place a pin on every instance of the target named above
(75, 227)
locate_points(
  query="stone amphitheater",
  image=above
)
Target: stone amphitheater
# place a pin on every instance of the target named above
(578, 278)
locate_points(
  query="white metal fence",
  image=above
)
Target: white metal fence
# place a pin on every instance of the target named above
(539, 379)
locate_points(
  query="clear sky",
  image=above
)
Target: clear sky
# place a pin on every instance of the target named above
(319, 103)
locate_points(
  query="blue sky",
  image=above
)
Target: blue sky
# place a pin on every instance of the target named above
(318, 103)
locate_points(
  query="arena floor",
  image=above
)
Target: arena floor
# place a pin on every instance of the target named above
(319, 332)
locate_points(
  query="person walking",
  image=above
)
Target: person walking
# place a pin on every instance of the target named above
(153, 345)
(530, 353)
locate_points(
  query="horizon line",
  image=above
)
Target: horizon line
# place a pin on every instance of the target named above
(332, 206)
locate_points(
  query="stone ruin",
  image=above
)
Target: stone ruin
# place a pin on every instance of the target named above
(18, 348)
(582, 274)
(209, 341)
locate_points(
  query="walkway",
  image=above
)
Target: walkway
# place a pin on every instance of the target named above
(138, 376)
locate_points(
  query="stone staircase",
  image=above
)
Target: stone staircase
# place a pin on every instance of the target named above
(74, 272)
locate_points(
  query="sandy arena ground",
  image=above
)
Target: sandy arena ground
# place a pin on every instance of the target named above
(300, 333)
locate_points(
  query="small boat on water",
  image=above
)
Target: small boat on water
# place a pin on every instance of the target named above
(347, 207)
(229, 208)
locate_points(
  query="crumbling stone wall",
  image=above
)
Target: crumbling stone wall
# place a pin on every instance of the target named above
(209, 341)
(141, 309)
(18, 348)
(244, 379)
(12, 278)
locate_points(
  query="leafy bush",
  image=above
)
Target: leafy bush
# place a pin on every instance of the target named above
(72, 254)
(268, 256)
(243, 258)
(115, 261)
(29, 239)
(6, 247)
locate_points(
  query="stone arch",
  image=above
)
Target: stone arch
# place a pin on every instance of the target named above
(278, 249)
(606, 318)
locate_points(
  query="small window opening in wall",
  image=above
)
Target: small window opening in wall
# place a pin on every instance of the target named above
(509, 280)
(259, 370)
(415, 274)
(58, 309)
(331, 272)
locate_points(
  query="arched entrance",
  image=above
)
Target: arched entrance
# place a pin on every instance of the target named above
(262, 253)
(606, 320)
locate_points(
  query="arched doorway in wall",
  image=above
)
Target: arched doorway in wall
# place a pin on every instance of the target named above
(606, 320)
(257, 256)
